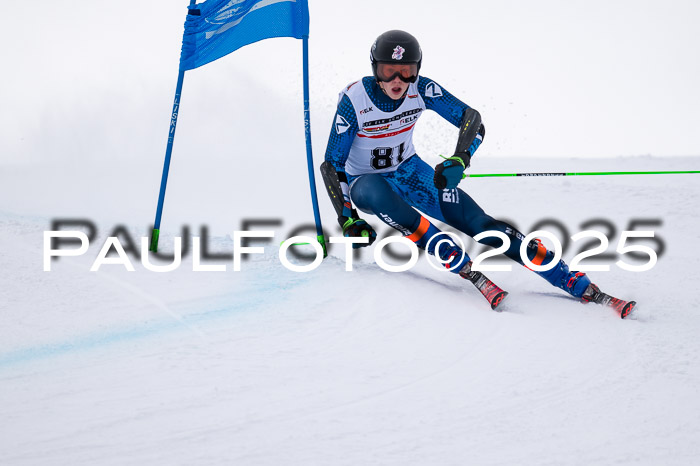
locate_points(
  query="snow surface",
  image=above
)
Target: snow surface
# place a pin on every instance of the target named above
(266, 366)
(271, 367)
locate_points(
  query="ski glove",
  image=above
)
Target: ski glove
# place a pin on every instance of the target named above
(358, 228)
(448, 174)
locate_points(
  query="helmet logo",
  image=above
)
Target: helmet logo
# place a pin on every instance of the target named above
(398, 53)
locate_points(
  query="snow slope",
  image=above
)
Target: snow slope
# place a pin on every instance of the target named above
(270, 367)
(266, 366)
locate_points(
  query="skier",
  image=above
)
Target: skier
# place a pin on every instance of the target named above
(370, 161)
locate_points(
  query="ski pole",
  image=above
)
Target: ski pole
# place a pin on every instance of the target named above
(168, 153)
(672, 172)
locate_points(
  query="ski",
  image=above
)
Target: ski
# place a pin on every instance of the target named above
(492, 292)
(620, 306)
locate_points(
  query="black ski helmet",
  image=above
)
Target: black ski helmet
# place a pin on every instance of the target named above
(395, 47)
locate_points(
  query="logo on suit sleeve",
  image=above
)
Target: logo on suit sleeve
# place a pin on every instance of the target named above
(433, 90)
(341, 124)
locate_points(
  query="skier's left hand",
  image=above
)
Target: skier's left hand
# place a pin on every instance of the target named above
(448, 174)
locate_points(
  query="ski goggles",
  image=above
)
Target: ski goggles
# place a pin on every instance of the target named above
(406, 72)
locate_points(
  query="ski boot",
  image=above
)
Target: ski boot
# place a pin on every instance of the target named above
(439, 244)
(574, 283)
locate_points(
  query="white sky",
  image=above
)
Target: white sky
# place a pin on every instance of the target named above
(94, 80)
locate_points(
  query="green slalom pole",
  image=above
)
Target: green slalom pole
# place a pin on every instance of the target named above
(485, 175)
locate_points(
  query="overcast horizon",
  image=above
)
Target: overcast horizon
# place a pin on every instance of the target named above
(581, 79)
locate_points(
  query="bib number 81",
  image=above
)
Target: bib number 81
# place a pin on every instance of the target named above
(382, 156)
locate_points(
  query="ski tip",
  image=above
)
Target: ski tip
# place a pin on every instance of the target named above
(497, 300)
(627, 309)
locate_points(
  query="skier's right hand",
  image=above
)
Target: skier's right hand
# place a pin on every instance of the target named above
(358, 228)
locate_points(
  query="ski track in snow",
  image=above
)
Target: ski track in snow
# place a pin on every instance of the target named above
(269, 367)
